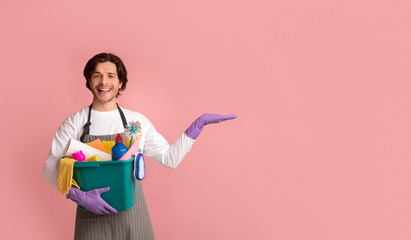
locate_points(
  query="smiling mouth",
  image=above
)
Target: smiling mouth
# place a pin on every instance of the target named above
(104, 90)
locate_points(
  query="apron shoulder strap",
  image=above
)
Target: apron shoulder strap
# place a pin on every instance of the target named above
(86, 128)
(123, 118)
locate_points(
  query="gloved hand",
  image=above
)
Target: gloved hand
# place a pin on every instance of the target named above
(91, 200)
(197, 126)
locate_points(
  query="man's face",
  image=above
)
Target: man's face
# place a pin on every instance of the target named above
(104, 82)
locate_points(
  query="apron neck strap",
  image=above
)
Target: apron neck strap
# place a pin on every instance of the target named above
(86, 128)
(123, 118)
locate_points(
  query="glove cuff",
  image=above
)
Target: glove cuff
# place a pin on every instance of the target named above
(194, 129)
(73, 194)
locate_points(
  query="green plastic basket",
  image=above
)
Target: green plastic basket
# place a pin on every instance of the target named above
(118, 175)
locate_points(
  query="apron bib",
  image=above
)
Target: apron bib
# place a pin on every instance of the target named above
(134, 223)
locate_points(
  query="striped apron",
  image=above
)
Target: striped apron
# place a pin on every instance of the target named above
(134, 223)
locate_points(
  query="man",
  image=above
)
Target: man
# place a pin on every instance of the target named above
(106, 76)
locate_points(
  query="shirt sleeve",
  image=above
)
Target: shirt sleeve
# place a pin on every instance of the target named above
(157, 147)
(66, 131)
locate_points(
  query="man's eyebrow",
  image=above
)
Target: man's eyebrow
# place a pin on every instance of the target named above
(97, 72)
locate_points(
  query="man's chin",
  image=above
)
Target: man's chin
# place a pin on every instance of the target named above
(103, 100)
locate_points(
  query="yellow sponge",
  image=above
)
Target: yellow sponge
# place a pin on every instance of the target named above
(94, 158)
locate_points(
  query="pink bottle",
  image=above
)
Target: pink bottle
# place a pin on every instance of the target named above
(79, 156)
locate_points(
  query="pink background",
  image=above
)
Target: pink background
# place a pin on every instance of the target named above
(321, 148)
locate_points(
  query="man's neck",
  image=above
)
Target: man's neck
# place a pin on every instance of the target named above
(104, 107)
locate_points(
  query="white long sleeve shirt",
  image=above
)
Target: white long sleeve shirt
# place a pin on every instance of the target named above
(152, 143)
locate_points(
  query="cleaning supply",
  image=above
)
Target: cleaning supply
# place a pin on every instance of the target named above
(65, 175)
(119, 148)
(108, 145)
(118, 175)
(74, 145)
(94, 158)
(139, 168)
(133, 130)
(79, 156)
(128, 140)
(132, 151)
(97, 144)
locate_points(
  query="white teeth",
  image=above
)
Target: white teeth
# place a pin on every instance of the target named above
(104, 89)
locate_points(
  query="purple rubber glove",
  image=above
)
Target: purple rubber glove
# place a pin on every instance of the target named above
(197, 126)
(91, 200)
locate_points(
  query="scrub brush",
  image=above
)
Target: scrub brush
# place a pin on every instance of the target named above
(139, 168)
(133, 130)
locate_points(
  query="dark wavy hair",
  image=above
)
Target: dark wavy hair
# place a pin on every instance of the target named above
(106, 57)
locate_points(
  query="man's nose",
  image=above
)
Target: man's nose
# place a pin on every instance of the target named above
(104, 78)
